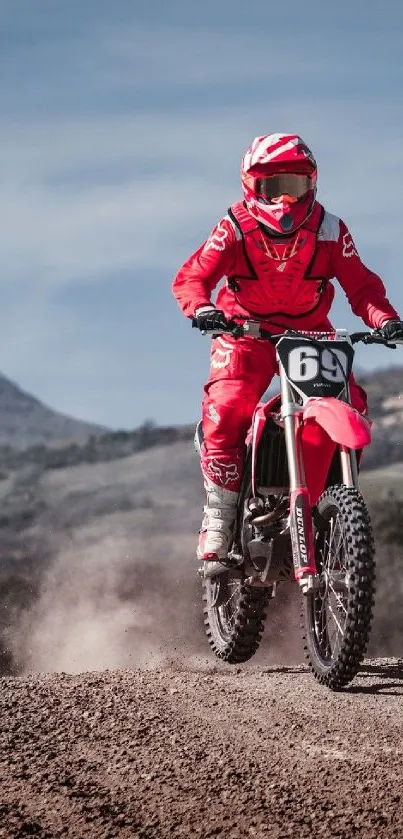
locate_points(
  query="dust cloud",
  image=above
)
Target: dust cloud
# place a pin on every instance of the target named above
(108, 605)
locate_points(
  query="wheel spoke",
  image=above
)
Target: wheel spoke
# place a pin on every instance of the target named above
(339, 600)
(331, 560)
(334, 616)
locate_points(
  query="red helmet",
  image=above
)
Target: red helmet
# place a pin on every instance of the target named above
(278, 175)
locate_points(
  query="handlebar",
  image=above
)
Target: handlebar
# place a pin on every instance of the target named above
(253, 329)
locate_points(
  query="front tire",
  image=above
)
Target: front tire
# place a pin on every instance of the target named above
(337, 616)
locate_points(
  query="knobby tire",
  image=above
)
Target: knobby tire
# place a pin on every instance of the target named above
(236, 637)
(354, 602)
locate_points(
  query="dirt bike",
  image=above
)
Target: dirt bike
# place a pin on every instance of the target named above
(300, 512)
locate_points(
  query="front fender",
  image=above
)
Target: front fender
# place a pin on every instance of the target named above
(343, 423)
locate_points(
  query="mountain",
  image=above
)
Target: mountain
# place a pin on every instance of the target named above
(25, 421)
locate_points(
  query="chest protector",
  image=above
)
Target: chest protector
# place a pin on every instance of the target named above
(281, 266)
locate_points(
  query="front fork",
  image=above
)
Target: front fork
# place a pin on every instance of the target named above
(301, 528)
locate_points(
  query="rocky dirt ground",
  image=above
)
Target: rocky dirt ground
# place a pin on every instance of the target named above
(200, 750)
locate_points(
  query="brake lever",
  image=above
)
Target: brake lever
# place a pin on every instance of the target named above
(391, 346)
(376, 337)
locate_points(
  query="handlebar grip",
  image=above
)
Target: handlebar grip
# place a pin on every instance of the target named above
(232, 326)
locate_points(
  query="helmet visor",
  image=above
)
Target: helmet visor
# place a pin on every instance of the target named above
(283, 184)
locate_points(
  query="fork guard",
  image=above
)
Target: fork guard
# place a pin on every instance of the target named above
(343, 423)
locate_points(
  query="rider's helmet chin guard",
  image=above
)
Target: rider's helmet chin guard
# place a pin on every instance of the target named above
(278, 176)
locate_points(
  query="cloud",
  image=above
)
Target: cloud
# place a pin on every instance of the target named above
(120, 149)
(67, 215)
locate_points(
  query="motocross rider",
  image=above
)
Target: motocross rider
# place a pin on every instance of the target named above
(278, 250)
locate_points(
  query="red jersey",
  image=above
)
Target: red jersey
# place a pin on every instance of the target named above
(284, 281)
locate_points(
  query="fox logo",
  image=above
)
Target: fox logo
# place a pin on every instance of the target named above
(224, 473)
(221, 357)
(349, 248)
(216, 241)
(213, 414)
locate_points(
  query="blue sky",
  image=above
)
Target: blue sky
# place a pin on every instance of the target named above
(122, 127)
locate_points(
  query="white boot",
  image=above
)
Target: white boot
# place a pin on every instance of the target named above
(217, 525)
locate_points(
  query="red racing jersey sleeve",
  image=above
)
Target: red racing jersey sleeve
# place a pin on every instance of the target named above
(364, 290)
(201, 273)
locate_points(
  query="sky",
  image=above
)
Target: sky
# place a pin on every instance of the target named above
(123, 124)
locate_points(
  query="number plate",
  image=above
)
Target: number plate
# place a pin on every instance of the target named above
(316, 366)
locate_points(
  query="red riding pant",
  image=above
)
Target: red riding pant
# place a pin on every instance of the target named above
(241, 371)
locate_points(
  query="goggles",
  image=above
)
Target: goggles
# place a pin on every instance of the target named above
(283, 184)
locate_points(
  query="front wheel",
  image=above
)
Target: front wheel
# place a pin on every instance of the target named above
(337, 614)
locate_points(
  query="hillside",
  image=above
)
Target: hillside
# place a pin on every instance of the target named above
(25, 421)
(97, 546)
(98, 566)
(385, 401)
(53, 441)
(31, 432)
